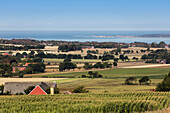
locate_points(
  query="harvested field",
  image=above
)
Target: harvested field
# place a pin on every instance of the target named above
(148, 66)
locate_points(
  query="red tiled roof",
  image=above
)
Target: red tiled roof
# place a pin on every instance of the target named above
(21, 68)
(37, 91)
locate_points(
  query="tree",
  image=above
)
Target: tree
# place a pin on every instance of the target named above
(67, 64)
(100, 76)
(87, 66)
(148, 49)
(144, 57)
(126, 58)
(130, 80)
(122, 57)
(13, 60)
(134, 58)
(79, 68)
(119, 49)
(162, 44)
(97, 51)
(144, 80)
(38, 60)
(32, 52)
(24, 53)
(114, 64)
(90, 73)
(2, 72)
(38, 67)
(80, 89)
(83, 76)
(168, 60)
(165, 84)
(95, 75)
(21, 74)
(116, 59)
(67, 60)
(28, 70)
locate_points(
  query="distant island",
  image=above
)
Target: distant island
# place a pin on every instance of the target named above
(156, 35)
(131, 36)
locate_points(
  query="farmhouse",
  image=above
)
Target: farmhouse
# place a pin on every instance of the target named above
(7, 54)
(37, 91)
(20, 68)
(19, 87)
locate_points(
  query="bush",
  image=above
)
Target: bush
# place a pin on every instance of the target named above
(114, 64)
(130, 81)
(83, 76)
(100, 76)
(94, 74)
(144, 80)
(80, 89)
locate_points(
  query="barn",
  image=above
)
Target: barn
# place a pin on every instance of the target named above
(19, 87)
(37, 91)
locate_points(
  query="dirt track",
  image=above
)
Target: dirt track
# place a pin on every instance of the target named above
(3, 80)
(148, 66)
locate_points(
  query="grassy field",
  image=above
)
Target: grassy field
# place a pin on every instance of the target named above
(51, 60)
(113, 80)
(101, 85)
(73, 60)
(118, 73)
(86, 103)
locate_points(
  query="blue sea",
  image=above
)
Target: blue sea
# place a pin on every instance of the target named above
(83, 36)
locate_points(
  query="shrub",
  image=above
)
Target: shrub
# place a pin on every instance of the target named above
(100, 76)
(83, 76)
(145, 80)
(80, 89)
(130, 81)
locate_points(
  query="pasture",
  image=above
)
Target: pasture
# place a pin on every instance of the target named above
(115, 73)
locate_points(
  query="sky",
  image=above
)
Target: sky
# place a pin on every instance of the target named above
(84, 15)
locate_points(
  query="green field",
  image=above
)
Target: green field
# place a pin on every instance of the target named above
(85, 103)
(118, 73)
(53, 60)
(112, 81)
(99, 85)
(73, 60)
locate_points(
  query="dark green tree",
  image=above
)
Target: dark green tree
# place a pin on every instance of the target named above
(145, 80)
(165, 84)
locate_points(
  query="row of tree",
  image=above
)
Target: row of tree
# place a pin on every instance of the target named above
(69, 47)
(92, 75)
(145, 80)
(99, 65)
(3, 47)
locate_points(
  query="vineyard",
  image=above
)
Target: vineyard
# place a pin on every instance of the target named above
(85, 103)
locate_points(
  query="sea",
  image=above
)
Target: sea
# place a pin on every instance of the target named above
(84, 36)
